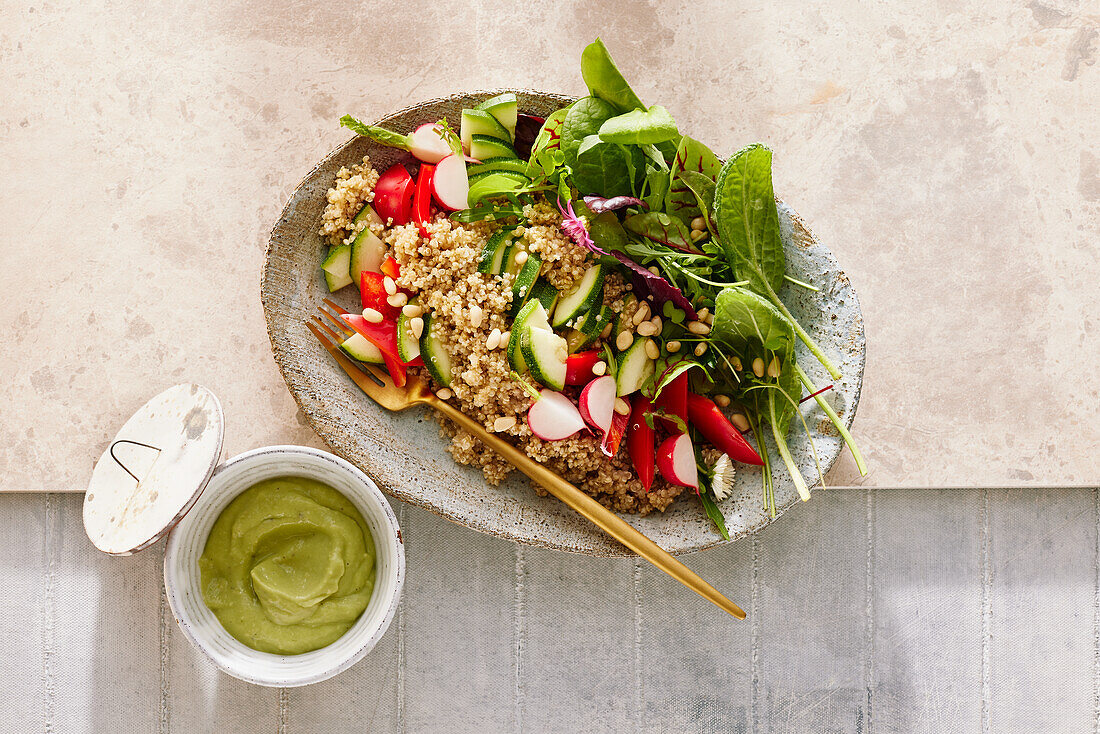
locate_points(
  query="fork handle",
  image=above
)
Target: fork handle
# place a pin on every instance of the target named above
(584, 504)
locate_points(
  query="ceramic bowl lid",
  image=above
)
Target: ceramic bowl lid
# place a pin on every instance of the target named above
(154, 469)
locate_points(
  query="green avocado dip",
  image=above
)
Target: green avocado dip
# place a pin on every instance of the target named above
(288, 566)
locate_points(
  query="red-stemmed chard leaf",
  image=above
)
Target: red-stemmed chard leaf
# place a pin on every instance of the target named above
(644, 282)
(599, 204)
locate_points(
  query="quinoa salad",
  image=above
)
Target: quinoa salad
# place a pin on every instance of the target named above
(594, 285)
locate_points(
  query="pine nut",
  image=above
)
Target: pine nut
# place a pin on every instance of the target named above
(476, 316)
(444, 393)
(600, 368)
(521, 257)
(493, 341)
(373, 316)
(697, 234)
(736, 364)
(700, 349)
(504, 423)
(397, 300)
(698, 224)
(722, 401)
(606, 330)
(740, 422)
(703, 313)
(758, 367)
(412, 310)
(622, 407)
(642, 314)
(698, 327)
(389, 285)
(773, 367)
(504, 336)
(416, 325)
(672, 347)
(624, 340)
(655, 270)
(646, 328)
(657, 323)
(651, 349)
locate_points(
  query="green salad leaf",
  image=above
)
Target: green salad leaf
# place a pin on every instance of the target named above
(603, 168)
(703, 189)
(380, 135)
(583, 120)
(547, 141)
(604, 80)
(660, 227)
(640, 127)
(748, 222)
(690, 155)
(747, 323)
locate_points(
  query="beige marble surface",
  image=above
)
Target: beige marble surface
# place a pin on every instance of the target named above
(947, 152)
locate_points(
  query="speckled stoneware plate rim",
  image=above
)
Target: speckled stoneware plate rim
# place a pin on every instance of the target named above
(434, 496)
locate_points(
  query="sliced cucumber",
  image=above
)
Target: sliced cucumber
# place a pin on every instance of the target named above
(503, 165)
(511, 258)
(408, 347)
(635, 368)
(483, 147)
(505, 108)
(480, 122)
(434, 353)
(545, 354)
(524, 283)
(587, 292)
(337, 267)
(359, 347)
(512, 176)
(370, 215)
(532, 315)
(367, 254)
(491, 261)
(545, 293)
(591, 326)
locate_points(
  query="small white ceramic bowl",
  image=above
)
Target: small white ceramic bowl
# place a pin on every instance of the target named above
(187, 540)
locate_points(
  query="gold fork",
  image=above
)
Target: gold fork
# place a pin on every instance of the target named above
(376, 383)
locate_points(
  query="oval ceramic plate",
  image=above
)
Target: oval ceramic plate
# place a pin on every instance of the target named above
(404, 451)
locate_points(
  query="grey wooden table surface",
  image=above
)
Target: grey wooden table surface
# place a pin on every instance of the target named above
(948, 153)
(869, 611)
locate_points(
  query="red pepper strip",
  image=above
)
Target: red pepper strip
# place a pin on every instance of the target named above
(614, 436)
(673, 400)
(578, 367)
(373, 294)
(384, 336)
(716, 427)
(390, 267)
(393, 195)
(422, 204)
(639, 442)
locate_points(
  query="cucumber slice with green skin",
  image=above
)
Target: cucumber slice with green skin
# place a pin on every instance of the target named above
(635, 368)
(434, 353)
(408, 347)
(517, 176)
(511, 258)
(545, 353)
(492, 254)
(524, 283)
(509, 165)
(585, 294)
(359, 347)
(545, 294)
(337, 267)
(367, 254)
(591, 326)
(486, 146)
(532, 315)
(480, 122)
(505, 108)
(370, 215)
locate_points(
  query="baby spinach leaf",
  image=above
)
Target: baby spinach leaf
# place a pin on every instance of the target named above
(583, 119)
(604, 80)
(662, 228)
(380, 135)
(640, 127)
(747, 219)
(748, 323)
(493, 185)
(603, 168)
(691, 155)
(606, 231)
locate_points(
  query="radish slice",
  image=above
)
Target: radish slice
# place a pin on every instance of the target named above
(597, 403)
(427, 145)
(450, 183)
(554, 417)
(676, 460)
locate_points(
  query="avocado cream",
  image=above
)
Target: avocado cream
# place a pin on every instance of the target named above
(288, 566)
